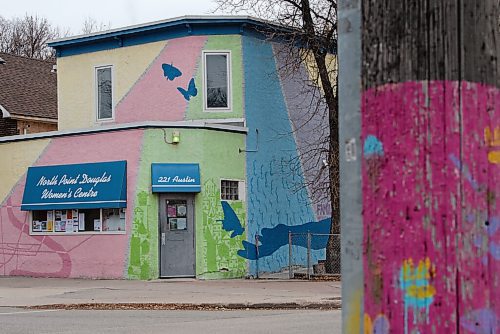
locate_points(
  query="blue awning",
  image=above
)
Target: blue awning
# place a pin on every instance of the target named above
(184, 178)
(78, 186)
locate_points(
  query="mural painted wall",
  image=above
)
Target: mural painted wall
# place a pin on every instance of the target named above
(216, 249)
(221, 43)
(102, 256)
(75, 80)
(151, 81)
(278, 202)
(162, 81)
(432, 244)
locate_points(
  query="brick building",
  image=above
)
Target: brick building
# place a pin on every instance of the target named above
(28, 95)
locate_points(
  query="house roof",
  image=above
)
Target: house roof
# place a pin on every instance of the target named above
(28, 88)
(161, 30)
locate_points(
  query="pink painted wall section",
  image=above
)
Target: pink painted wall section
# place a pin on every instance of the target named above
(156, 98)
(103, 256)
(431, 208)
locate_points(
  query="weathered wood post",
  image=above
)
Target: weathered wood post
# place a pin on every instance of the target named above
(420, 134)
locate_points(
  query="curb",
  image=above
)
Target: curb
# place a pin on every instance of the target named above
(190, 307)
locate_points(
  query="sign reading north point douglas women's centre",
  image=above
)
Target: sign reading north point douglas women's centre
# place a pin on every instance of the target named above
(82, 186)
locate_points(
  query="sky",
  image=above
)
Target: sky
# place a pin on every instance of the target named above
(70, 14)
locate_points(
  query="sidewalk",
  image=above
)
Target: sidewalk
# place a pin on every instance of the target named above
(168, 294)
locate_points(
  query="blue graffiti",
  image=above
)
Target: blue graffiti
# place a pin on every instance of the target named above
(465, 171)
(373, 147)
(274, 238)
(231, 222)
(493, 223)
(170, 71)
(190, 92)
(481, 321)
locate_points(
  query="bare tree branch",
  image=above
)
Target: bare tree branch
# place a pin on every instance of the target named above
(310, 42)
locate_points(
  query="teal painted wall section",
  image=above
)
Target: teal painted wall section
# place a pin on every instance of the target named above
(278, 202)
(218, 156)
(220, 43)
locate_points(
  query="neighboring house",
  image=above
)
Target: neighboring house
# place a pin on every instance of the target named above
(28, 95)
(179, 142)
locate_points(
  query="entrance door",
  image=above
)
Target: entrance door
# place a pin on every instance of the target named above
(177, 235)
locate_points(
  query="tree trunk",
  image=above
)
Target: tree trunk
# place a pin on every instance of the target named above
(317, 46)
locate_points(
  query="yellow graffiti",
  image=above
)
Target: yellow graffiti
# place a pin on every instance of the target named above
(424, 270)
(415, 282)
(494, 157)
(368, 324)
(492, 140)
(421, 292)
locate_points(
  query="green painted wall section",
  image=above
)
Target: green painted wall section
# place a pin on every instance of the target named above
(218, 156)
(220, 43)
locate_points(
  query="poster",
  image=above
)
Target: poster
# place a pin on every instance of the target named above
(75, 227)
(50, 221)
(81, 221)
(97, 224)
(181, 211)
(173, 223)
(172, 211)
(69, 215)
(58, 215)
(69, 226)
(37, 226)
(181, 224)
(44, 226)
(60, 226)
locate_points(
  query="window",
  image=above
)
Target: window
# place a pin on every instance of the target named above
(217, 90)
(78, 221)
(231, 190)
(104, 93)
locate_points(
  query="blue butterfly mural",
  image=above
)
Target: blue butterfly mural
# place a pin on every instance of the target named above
(190, 92)
(170, 71)
(231, 222)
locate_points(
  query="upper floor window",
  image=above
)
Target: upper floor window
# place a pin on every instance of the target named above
(217, 80)
(104, 92)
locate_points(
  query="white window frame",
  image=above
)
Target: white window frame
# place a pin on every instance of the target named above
(53, 233)
(226, 53)
(96, 93)
(241, 190)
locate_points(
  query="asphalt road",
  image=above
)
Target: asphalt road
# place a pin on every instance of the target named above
(13, 320)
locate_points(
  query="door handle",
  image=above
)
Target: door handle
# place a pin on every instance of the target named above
(163, 239)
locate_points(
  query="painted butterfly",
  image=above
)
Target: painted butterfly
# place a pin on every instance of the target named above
(191, 90)
(170, 71)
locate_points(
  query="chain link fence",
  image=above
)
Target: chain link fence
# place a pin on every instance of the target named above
(307, 255)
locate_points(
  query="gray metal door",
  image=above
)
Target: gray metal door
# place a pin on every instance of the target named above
(177, 258)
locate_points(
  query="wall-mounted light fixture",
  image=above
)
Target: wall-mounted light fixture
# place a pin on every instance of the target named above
(175, 139)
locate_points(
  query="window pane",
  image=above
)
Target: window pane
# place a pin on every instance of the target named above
(113, 219)
(42, 221)
(229, 190)
(216, 68)
(91, 219)
(104, 103)
(177, 215)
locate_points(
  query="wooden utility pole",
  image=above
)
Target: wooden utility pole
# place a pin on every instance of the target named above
(420, 134)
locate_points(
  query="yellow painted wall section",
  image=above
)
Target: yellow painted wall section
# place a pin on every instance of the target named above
(18, 156)
(76, 82)
(312, 69)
